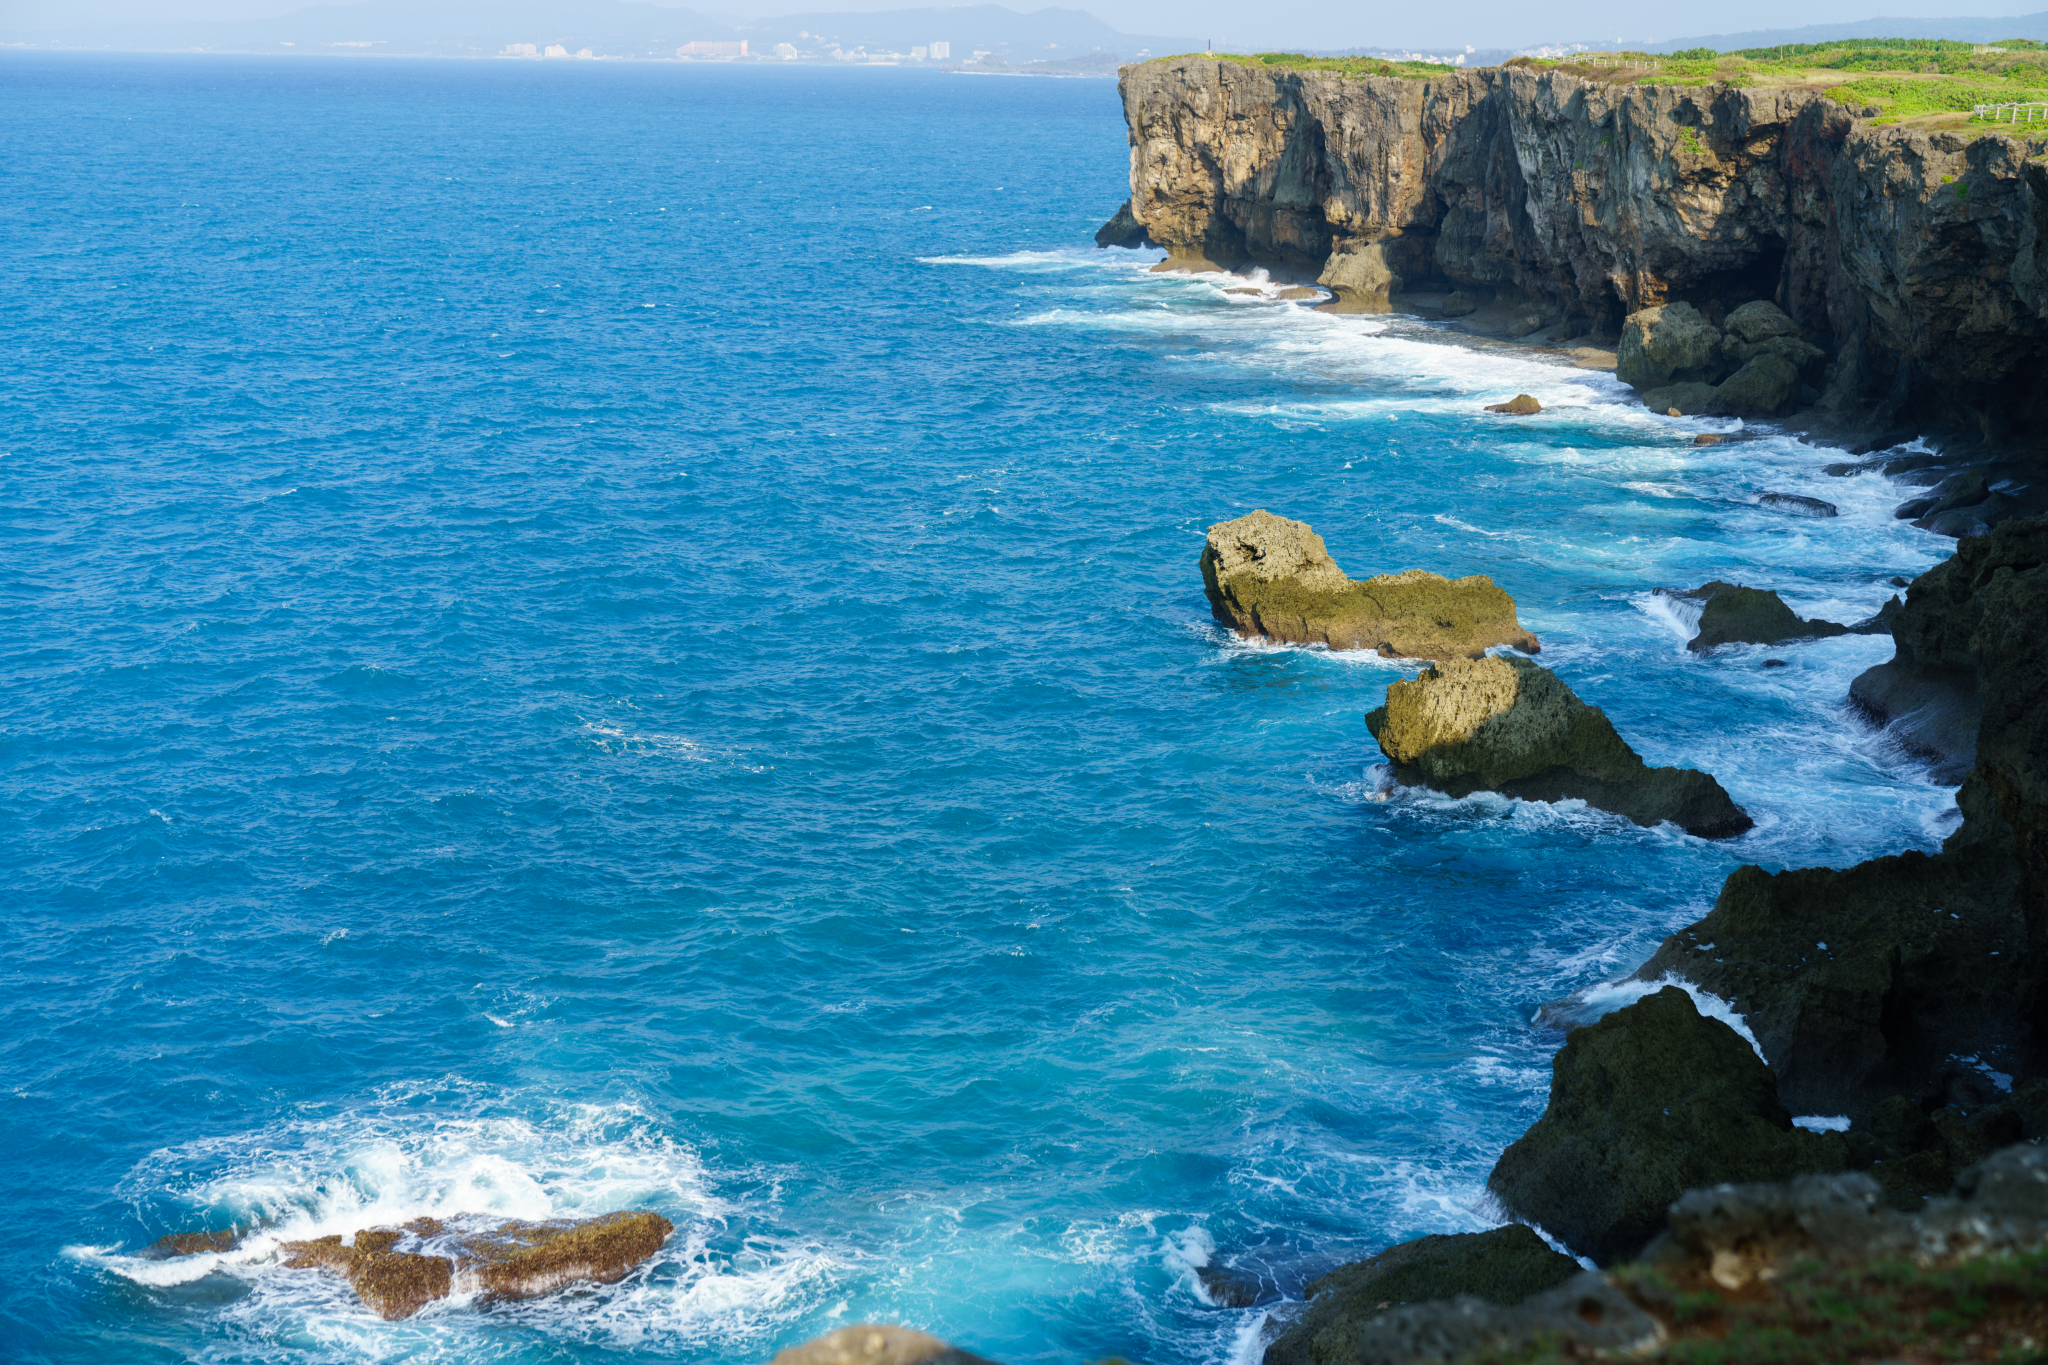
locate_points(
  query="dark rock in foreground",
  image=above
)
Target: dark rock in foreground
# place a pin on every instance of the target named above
(1911, 976)
(874, 1345)
(1504, 1266)
(398, 1271)
(1506, 725)
(1272, 577)
(1650, 1102)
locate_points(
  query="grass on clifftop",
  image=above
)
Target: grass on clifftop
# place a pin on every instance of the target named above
(1924, 79)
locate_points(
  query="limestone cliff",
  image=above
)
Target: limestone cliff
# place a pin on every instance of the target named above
(1916, 263)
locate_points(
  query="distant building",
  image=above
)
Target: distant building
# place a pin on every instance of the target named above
(738, 49)
(785, 51)
(585, 54)
(555, 50)
(521, 50)
(917, 54)
(941, 51)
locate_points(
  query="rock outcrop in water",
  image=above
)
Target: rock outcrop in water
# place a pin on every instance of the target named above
(1506, 725)
(1650, 1102)
(1915, 976)
(1906, 272)
(1504, 1266)
(868, 1344)
(1272, 577)
(1732, 614)
(398, 1271)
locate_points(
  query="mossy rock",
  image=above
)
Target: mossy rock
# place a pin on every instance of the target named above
(1650, 1102)
(1507, 725)
(1270, 577)
(1503, 1266)
(874, 1344)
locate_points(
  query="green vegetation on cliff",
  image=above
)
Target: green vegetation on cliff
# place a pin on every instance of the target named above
(1901, 77)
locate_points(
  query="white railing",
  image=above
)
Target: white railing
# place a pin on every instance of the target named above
(1625, 64)
(2011, 113)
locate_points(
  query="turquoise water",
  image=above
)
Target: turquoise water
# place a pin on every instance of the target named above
(597, 636)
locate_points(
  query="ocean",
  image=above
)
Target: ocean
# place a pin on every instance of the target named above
(585, 636)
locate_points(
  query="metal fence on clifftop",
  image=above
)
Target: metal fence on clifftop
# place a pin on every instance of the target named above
(2011, 113)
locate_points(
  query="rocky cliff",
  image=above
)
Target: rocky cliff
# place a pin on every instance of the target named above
(1916, 263)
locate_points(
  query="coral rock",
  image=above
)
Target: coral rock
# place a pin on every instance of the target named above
(1506, 725)
(871, 1345)
(1521, 405)
(1272, 577)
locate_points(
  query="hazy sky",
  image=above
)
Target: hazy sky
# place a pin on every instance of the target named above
(1275, 23)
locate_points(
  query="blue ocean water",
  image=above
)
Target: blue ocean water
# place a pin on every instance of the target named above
(584, 636)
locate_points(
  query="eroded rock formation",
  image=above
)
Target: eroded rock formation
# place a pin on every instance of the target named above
(1732, 614)
(868, 1344)
(1915, 976)
(1911, 268)
(1270, 577)
(1506, 725)
(398, 1271)
(1650, 1102)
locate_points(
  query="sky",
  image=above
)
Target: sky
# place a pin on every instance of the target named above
(1232, 25)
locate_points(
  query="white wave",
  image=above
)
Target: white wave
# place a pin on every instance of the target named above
(1596, 1002)
(1822, 1123)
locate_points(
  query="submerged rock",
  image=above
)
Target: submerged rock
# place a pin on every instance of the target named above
(1648, 1103)
(1506, 725)
(1794, 502)
(191, 1244)
(1521, 405)
(1272, 577)
(1504, 1266)
(495, 1259)
(875, 1345)
(1732, 614)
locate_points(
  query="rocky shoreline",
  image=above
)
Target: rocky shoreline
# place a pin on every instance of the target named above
(1751, 252)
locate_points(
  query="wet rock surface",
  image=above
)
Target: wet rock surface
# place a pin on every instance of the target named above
(1733, 614)
(1504, 1266)
(1521, 405)
(1798, 504)
(1123, 229)
(1650, 1102)
(1270, 577)
(876, 1345)
(1906, 978)
(398, 1271)
(1506, 725)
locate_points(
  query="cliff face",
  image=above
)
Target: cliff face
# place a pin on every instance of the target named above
(1918, 262)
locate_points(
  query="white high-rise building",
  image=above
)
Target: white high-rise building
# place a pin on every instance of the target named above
(941, 51)
(917, 54)
(555, 50)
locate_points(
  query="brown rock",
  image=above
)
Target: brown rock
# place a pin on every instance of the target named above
(1270, 577)
(192, 1243)
(873, 1345)
(510, 1260)
(1521, 405)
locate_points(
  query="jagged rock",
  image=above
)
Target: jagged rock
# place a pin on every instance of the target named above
(1360, 278)
(1648, 1103)
(398, 1271)
(1680, 400)
(1521, 405)
(1506, 725)
(191, 1244)
(1504, 1266)
(1458, 304)
(1668, 345)
(1764, 387)
(1230, 1287)
(875, 1345)
(1758, 321)
(1733, 614)
(1798, 504)
(1272, 577)
(1123, 229)
(1873, 982)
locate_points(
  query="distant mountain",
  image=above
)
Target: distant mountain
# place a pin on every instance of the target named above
(611, 28)
(1960, 30)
